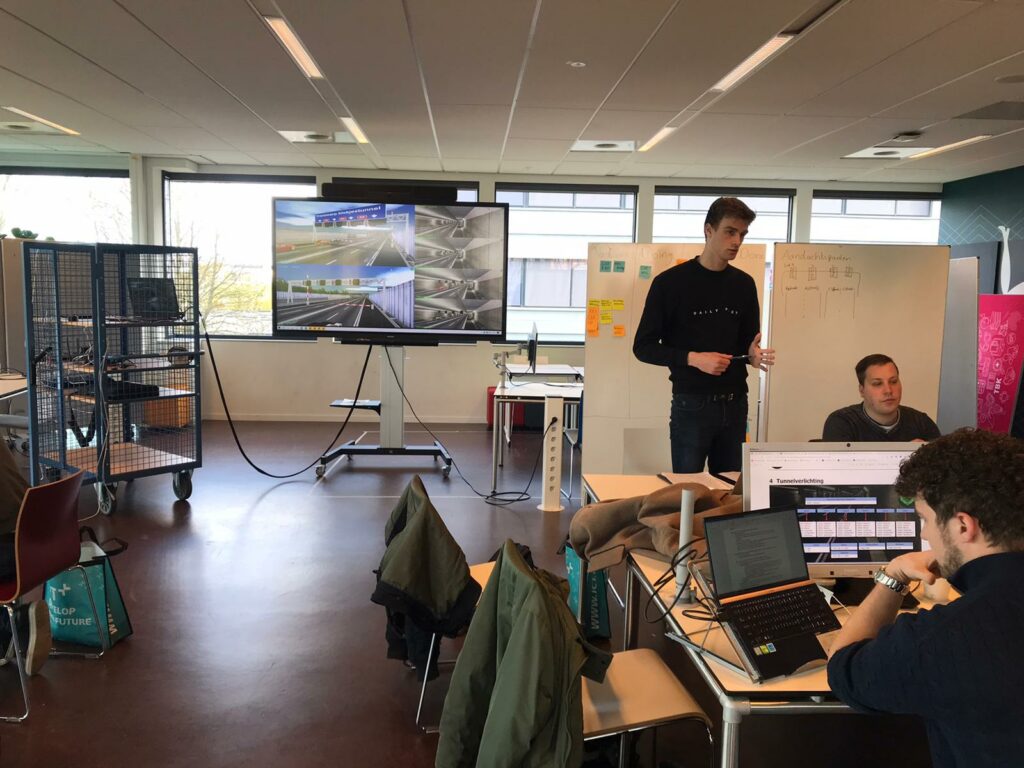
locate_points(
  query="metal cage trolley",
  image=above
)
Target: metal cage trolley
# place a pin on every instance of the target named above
(112, 337)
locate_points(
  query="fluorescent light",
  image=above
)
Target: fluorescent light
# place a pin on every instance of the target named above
(947, 147)
(43, 120)
(293, 45)
(355, 130)
(752, 62)
(668, 130)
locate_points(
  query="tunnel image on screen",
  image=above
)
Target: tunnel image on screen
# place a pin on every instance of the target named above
(851, 523)
(424, 269)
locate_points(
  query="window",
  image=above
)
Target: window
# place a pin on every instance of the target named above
(679, 214)
(550, 229)
(67, 204)
(838, 217)
(228, 218)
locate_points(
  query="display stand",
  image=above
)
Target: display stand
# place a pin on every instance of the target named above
(391, 408)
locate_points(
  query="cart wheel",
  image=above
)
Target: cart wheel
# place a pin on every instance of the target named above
(106, 496)
(182, 484)
(320, 470)
(446, 470)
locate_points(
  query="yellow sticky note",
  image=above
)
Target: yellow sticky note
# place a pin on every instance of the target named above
(618, 303)
(606, 318)
(593, 318)
(606, 303)
(594, 303)
(618, 330)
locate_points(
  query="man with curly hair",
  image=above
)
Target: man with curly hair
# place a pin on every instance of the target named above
(957, 666)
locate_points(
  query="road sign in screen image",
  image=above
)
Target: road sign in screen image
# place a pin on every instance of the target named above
(394, 271)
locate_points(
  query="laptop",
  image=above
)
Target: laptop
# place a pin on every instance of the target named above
(153, 298)
(768, 606)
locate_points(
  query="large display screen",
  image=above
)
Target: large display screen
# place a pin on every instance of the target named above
(390, 272)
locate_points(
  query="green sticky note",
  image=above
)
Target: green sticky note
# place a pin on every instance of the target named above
(645, 271)
(620, 266)
(606, 266)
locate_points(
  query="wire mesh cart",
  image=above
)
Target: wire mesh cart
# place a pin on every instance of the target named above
(113, 347)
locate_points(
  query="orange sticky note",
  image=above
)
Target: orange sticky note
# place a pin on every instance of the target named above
(593, 320)
(618, 330)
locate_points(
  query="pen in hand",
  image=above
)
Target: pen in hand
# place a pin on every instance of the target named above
(740, 357)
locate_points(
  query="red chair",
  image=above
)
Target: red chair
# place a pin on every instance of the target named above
(45, 545)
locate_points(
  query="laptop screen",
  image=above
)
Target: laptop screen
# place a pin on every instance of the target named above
(153, 298)
(754, 550)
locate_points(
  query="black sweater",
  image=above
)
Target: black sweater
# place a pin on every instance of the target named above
(693, 309)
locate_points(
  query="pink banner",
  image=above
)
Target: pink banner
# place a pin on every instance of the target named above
(1000, 358)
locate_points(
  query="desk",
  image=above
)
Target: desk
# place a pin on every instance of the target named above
(608, 487)
(12, 387)
(508, 394)
(547, 370)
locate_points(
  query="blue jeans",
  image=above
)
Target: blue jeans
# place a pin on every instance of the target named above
(708, 428)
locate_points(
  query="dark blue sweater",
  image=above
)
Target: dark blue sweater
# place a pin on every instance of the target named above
(957, 666)
(693, 309)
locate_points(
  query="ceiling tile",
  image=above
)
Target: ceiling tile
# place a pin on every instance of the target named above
(543, 123)
(470, 165)
(536, 149)
(470, 131)
(624, 124)
(528, 166)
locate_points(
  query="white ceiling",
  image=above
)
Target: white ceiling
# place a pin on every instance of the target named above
(483, 85)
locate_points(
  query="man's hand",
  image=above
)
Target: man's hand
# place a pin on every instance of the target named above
(714, 363)
(760, 358)
(914, 566)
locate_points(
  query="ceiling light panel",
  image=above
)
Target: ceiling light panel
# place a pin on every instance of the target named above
(291, 42)
(43, 120)
(752, 62)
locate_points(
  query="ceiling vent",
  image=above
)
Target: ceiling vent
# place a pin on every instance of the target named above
(900, 152)
(604, 145)
(315, 137)
(27, 127)
(1001, 110)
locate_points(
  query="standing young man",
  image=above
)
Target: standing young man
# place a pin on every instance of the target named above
(702, 321)
(956, 666)
(880, 417)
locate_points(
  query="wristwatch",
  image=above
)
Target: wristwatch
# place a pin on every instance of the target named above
(883, 578)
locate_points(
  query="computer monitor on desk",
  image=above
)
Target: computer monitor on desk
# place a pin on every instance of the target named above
(852, 521)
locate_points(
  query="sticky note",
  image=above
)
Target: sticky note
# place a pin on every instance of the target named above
(620, 266)
(645, 271)
(618, 330)
(618, 303)
(594, 303)
(606, 318)
(595, 331)
(606, 303)
(606, 266)
(679, 261)
(593, 319)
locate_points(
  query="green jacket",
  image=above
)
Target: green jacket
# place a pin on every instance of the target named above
(516, 694)
(423, 574)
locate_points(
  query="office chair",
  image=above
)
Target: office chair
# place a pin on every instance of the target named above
(46, 544)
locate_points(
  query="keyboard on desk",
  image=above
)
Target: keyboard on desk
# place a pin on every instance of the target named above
(777, 615)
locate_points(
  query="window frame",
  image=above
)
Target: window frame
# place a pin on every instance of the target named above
(740, 192)
(527, 187)
(835, 194)
(166, 177)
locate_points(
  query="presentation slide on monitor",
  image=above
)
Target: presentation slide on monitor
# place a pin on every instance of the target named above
(848, 509)
(383, 266)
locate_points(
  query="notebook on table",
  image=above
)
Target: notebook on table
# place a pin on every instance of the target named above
(768, 605)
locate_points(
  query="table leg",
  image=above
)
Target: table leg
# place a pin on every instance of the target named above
(731, 717)
(629, 611)
(495, 444)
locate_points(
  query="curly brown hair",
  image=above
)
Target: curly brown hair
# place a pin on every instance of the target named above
(973, 471)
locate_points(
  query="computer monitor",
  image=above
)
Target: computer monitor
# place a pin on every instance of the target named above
(531, 349)
(852, 521)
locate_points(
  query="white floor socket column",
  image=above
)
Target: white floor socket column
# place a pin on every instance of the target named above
(551, 463)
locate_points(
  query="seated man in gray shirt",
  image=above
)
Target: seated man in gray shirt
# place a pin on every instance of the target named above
(879, 417)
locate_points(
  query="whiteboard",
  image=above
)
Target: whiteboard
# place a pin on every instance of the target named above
(833, 304)
(958, 383)
(626, 403)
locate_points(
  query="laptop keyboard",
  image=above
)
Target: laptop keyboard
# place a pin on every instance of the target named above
(782, 614)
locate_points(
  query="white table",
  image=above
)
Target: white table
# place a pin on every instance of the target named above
(608, 487)
(546, 370)
(507, 395)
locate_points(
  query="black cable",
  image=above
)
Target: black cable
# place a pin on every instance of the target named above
(685, 553)
(231, 423)
(496, 498)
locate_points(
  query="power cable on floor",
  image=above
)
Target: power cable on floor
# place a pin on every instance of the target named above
(495, 498)
(231, 423)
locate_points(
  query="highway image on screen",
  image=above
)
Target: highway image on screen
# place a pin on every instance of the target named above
(461, 299)
(320, 296)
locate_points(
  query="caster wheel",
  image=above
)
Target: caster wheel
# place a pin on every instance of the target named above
(182, 484)
(320, 470)
(446, 470)
(106, 497)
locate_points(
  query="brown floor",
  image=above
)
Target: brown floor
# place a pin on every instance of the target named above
(255, 641)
